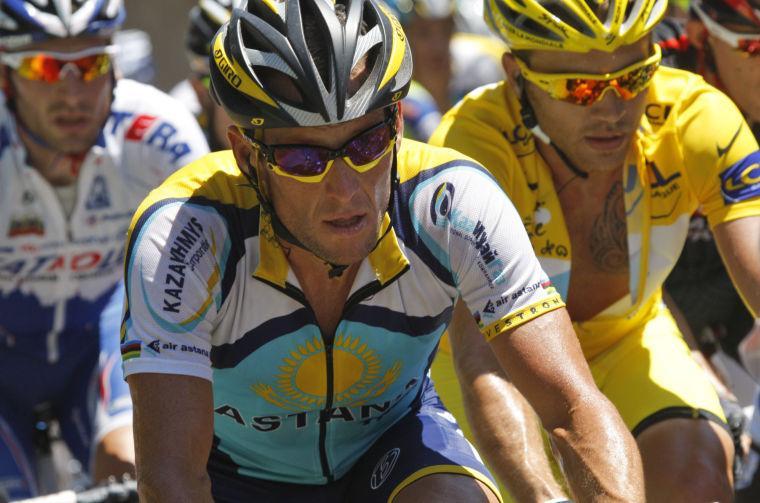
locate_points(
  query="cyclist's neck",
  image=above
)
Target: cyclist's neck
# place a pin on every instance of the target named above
(57, 168)
(564, 176)
(326, 295)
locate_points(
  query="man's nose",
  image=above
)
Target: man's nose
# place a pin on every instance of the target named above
(70, 82)
(610, 107)
(342, 181)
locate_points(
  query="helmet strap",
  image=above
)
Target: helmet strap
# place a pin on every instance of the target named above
(282, 232)
(529, 120)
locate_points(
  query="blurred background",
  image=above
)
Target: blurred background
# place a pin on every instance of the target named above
(165, 21)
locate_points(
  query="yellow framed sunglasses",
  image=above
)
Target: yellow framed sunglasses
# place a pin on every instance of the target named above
(587, 89)
(311, 163)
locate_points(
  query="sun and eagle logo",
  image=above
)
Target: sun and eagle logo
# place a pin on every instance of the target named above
(359, 375)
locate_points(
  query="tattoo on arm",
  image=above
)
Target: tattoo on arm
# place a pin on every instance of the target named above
(609, 237)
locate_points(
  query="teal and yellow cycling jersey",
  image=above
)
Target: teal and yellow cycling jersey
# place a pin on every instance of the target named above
(211, 295)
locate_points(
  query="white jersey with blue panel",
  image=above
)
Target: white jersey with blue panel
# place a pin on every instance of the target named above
(58, 271)
(211, 295)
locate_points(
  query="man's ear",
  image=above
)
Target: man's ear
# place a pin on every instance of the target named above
(241, 149)
(511, 70)
(697, 33)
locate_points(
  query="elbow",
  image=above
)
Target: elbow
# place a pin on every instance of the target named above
(589, 410)
(168, 487)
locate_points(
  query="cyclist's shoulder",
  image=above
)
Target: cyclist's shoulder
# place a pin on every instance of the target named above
(417, 160)
(148, 130)
(141, 112)
(676, 84)
(211, 183)
(133, 95)
(183, 92)
(684, 97)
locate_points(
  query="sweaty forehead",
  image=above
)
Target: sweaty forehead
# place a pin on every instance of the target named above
(332, 136)
(71, 44)
(589, 62)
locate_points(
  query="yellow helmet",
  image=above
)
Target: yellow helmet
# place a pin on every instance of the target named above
(572, 25)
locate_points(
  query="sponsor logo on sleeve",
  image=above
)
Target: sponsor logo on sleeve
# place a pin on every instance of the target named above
(724, 150)
(441, 204)
(741, 181)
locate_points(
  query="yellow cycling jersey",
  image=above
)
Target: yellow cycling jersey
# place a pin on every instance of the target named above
(693, 149)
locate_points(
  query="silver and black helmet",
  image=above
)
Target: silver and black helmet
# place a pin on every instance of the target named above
(312, 46)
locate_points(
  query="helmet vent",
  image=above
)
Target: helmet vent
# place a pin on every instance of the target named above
(280, 85)
(314, 32)
(525, 23)
(567, 16)
(601, 8)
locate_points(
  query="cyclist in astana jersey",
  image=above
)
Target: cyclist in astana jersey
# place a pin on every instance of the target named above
(605, 192)
(285, 299)
(78, 151)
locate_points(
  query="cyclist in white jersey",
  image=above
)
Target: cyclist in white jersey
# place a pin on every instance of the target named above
(285, 299)
(78, 151)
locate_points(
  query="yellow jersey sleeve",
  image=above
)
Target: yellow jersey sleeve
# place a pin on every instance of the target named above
(720, 155)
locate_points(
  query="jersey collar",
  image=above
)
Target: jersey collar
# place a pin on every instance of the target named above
(387, 260)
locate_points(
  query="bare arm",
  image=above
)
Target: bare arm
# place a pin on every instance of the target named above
(739, 244)
(506, 429)
(716, 378)
(545, 362)
(173, 427)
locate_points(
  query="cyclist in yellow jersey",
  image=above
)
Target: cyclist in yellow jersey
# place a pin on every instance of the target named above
(606, 156)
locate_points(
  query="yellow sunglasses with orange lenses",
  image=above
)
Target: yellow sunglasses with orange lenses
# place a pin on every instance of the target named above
(587, 89)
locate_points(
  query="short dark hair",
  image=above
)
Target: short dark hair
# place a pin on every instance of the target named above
(316, 41)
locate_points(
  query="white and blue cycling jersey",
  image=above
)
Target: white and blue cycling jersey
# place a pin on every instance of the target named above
(61, 272)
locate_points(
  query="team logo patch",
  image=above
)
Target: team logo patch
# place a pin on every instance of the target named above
(98, 198)
(301, 385)
(741, 181)
(441, 203)
(384, 467)
(29, 225)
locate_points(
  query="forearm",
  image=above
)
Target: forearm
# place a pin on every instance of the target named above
(739, 244)
(173, 486)
(172, 454)
(599, 456)
(508, 436)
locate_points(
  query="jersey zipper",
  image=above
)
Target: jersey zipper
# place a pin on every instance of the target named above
(362, 293)
(326, 471)
(297, 295)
